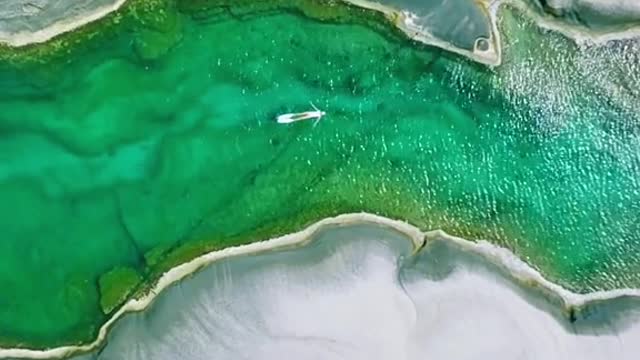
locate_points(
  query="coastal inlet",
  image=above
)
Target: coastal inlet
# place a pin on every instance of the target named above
(149, 138)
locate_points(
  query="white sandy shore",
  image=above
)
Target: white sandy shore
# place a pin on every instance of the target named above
(358, 293)
(79, 19)
(580, 34)
(515, 267)
(403, 19)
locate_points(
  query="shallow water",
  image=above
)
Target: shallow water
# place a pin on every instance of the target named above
(458, 22)
(161, 138)
(358, 293)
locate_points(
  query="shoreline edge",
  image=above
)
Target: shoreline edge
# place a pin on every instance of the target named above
(515, 268)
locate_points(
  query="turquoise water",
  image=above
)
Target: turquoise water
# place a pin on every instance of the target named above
(157, 143)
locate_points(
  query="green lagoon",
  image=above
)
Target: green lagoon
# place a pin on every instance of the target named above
(149, 138)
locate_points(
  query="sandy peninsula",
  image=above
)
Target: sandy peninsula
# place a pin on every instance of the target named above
(361, 291)
(428, 278)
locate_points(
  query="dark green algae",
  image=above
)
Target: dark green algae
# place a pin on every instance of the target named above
(412, 133)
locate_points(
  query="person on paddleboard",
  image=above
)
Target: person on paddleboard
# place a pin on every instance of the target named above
(316, 114)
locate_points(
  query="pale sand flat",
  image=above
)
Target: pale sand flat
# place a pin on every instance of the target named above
(350, 295)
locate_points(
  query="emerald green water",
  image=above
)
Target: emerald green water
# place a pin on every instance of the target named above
(126, 155)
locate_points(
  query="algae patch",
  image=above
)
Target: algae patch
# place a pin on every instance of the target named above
(116, 286)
